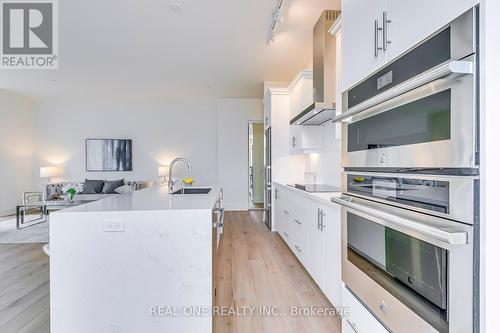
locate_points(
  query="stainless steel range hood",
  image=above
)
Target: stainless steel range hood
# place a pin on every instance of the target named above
(323, 108)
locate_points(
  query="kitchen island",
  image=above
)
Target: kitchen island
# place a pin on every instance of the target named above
(138, 262)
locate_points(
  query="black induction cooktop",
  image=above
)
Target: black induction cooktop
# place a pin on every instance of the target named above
(315, 187)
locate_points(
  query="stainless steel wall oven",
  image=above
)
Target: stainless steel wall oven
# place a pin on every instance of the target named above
(412, 270)
(410, 200)
(417, 112)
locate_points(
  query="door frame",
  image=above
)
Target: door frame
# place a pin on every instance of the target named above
(251, 122)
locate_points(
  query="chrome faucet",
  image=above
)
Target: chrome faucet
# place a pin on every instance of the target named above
(171, 182)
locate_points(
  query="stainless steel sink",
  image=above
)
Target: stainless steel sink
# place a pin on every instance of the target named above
(193, 190)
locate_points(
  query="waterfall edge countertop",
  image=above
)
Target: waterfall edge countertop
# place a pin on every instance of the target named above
(154, 198)
(116, 263)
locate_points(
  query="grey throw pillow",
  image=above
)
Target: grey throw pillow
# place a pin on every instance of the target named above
(92, 186)
(110, 186)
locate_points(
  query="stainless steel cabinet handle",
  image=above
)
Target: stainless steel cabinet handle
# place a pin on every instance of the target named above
(405, 222)
(220, 217)
(298, 248)
(449, 70)
(377, 29)
(319, 219)
(322, 215)
(294, 141)
(353, 325)
(286, 212)
(298, 222)
(385, 21)
(275, 194)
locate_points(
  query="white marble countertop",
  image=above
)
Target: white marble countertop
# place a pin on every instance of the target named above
(154, 198)
(323, 197)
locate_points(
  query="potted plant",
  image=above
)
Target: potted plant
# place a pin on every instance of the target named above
(71, 190)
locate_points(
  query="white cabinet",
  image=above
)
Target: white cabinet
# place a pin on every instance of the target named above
(282, 215)
(332, 247)
(414, 21)
(315, 236)
(312, 231)
(303, 139)
(267, 111)
(358, 39)
(298, 224)
(410, 23)
(359, 320)
(306, 139)
(301, 92)
(324, 251)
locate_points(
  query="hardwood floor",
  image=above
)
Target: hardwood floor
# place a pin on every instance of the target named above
(24, 289)
(256, 269)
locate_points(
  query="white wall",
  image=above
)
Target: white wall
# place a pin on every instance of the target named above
(213, 136)
(233, 116)
(326, 164)
(160, 132)
(16, 149)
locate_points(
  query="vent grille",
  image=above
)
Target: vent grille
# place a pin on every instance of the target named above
(332, 15)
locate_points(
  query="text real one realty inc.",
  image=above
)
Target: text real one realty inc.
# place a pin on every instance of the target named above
(241, 311)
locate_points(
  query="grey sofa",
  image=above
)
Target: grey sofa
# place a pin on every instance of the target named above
(54, 190)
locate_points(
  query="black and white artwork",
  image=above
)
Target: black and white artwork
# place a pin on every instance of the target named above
(108, 154)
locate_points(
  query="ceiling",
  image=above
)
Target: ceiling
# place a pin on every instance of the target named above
(142, 50)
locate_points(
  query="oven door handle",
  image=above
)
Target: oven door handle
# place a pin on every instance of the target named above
(436, 231)
(451, 70)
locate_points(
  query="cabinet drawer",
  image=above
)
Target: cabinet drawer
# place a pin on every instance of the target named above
(359, 320)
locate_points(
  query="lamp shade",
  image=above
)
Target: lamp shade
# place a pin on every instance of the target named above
(163, 171)
(48, 172)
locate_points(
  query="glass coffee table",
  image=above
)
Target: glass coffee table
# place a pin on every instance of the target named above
(42, 210)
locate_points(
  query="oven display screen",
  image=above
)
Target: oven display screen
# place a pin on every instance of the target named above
(433, 195)
(384, 80)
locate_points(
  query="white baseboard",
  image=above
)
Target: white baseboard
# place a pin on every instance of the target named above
(7, 213)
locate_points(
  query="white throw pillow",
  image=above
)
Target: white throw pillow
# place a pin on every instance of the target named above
(124, 189)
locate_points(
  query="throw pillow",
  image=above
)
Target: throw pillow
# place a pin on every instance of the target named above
(124, 189)
(92, 186)
(111, 185)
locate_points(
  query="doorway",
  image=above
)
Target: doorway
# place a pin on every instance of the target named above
(256, 165)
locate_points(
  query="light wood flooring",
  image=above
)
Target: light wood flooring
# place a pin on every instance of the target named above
(256, 268)
(24, 289)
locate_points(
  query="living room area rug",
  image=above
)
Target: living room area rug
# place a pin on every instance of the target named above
(9, 234)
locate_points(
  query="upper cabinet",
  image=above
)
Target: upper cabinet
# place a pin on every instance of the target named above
(303, 139)
(301, 92)
(413, 21)
(374, 32)
(306, 139)
(358, 39)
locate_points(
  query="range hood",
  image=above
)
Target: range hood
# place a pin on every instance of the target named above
(323, 108)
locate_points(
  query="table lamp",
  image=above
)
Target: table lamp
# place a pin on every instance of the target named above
(49, 172)
(163, 172)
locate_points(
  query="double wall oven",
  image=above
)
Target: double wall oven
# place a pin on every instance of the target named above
(410, 185)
